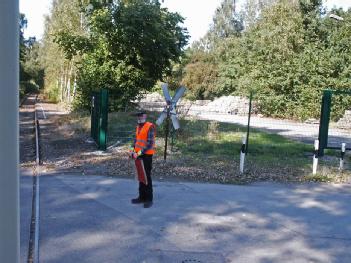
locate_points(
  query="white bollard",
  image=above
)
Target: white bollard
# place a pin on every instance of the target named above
(242, 155)
(315, 157)
(343, 149)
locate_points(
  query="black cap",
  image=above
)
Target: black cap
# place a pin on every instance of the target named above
(140, 113)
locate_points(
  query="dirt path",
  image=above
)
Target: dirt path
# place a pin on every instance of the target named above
(27, 132)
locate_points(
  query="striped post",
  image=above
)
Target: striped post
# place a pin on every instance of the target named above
(315, 157)
(343, 150)
(242, 155)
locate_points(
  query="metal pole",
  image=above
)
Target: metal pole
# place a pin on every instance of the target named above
(167, 132)
(9, 154)
(324, 121)
(248, 125)
(172, 139)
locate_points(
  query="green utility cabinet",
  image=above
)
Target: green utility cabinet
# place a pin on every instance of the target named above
(99, 118)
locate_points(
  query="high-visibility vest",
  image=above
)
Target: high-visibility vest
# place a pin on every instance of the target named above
(141, 138)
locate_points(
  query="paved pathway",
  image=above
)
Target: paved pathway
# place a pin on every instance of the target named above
(26, 189)
(299, 131)
(90, 219)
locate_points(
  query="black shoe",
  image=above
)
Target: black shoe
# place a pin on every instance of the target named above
(137, 201)
(148, 204)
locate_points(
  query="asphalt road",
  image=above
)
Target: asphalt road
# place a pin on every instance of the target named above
(299, 131)
(91, 219)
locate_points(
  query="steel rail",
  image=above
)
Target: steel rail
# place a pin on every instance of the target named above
(33, 253)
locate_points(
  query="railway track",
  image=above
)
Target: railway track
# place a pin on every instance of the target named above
(30, 154)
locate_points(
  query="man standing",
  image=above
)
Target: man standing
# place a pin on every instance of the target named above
(144, 148)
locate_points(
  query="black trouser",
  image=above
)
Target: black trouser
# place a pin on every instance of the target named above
(145, 191)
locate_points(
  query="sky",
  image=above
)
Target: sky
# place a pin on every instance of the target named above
(197, 13)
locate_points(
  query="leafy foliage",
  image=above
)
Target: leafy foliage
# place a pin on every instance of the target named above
(201, 72)
(200, 75)
(131, 44)
(287, 56)
(31, 70)
(227, 22)
(287, 52)
(66, 18)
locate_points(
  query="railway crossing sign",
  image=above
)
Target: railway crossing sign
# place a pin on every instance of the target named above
(169, 111)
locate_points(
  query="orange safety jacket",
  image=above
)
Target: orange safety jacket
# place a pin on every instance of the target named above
(141, 139)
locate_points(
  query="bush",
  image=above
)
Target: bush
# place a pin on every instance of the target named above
(52, 94)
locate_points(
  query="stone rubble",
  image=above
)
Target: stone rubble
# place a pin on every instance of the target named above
(234, 105)
(345, 121)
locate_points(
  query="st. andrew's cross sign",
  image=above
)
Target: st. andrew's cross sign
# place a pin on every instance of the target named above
(170, 108)
(169, 111)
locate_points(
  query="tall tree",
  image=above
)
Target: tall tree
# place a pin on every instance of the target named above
(226, 22)
(264, 59)
(31, 70)
(130, 46)
(60, 70)
(288, 57)
(201, 73)
(252, 10)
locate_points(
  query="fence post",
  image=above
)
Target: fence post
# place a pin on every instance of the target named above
(315, 157)
(242, 154)
(92, 116)
(99, 118)
(95, 116)
(248, 124)
(324, 121)
(103, 120)
(343, 149)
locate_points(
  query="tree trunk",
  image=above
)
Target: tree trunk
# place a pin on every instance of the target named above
(74, 86)
(64, 95)
(68, 88)
(61, 84)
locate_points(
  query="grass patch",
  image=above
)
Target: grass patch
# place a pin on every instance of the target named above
(77, 121)
(224, 140)
(121, 127)
(209, 150)
(322, 178)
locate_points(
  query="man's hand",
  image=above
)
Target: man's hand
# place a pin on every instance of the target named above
(134, 155)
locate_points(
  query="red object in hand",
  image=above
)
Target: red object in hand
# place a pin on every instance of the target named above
(140, 170)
